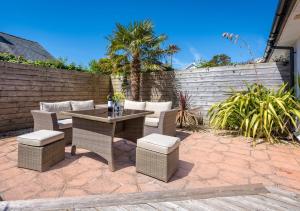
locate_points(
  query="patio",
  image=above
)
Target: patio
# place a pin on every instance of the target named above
(206, 160)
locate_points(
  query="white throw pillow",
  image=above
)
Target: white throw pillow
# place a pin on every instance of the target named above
(158, 107)
(56, 106)
(82, 105)
(135, 105)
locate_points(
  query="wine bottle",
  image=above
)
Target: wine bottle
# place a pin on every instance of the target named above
(110, 103)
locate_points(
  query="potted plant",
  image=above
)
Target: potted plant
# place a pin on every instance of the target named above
(118, 99)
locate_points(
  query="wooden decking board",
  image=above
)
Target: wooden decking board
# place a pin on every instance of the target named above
(226, 198)
(222, 204)
(84, 209)
(282, 192)
(140, 207)
(193, 205)
(283, 199)
(270, 203)
(212, 203)
(245, 205)
(139, 198)
(167, 206)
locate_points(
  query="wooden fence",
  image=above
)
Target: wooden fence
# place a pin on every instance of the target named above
(22, 87)
(207, 86)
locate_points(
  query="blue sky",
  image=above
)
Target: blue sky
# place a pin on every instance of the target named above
(76, 29)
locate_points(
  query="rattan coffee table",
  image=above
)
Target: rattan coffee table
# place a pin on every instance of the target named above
(95, 130)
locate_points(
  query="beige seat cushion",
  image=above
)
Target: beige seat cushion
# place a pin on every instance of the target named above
(159, 143)
(56, 106)
(135, 105)
(158, 107)
(40, 138)
(82, 105)
(152, 122)
(64, 123)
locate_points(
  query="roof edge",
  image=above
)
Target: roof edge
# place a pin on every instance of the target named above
(18, 37)
(283, 11)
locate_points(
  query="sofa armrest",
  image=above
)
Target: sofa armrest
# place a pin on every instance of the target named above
(167, 119)
(44, 120)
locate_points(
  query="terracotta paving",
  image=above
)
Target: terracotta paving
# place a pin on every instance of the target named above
(206, 160)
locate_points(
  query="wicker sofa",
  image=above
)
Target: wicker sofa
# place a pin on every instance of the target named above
(50, 118)
(163, 121)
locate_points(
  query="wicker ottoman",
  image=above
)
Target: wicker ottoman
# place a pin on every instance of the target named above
(157, 156)
(41, 149)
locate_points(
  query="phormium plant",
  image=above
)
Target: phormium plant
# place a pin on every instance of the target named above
(184, 117)
(258, 112)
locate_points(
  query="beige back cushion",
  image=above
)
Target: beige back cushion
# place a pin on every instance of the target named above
(158, 107)
(56, 107)
(135, 105)
(82, 105)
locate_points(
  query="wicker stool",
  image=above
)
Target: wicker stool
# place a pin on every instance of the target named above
(157, 156)
(41, 149)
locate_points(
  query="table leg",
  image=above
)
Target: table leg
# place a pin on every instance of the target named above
(73, 150)
(111, 165)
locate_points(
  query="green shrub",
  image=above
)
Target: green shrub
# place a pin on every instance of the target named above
(258, 112)
(55, 63)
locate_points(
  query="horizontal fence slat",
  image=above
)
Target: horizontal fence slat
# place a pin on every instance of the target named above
(23, 87)
(207, 86)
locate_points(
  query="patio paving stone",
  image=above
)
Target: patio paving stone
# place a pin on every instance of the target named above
(206, 160)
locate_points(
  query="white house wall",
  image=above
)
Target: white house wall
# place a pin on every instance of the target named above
(297, 67)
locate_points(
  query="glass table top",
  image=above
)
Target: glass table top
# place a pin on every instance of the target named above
(104, 115)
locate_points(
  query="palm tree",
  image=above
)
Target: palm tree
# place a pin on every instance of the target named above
(141, 46)
(171, 50)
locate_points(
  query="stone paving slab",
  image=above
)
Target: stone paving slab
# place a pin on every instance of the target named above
(206, 160)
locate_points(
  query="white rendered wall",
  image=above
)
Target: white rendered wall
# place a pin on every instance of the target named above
(297, 67)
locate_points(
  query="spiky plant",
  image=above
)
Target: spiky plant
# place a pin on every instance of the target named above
(258, 112)
(184, 117)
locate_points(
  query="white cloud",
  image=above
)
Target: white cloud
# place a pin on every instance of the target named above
(179, 64)
(195, 53)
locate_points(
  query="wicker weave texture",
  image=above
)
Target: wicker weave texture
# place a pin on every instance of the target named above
(68, 135)
(94, 136)
(48, 121)
(157, 165)
(166, 126)
(98, 136)
(41, 158)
